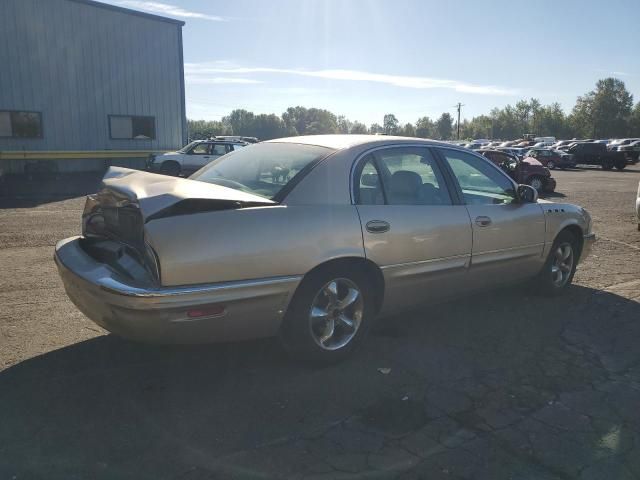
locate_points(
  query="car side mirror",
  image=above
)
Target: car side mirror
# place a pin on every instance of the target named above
(527, 194)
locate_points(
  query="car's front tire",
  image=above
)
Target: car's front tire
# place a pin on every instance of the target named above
(170, 168)
(551, 165)
(329, 315)
(558, 271)
(537, 183)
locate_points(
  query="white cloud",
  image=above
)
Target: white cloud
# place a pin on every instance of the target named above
(620, 74)
(166, 9)
(203, 69)
(195, 80)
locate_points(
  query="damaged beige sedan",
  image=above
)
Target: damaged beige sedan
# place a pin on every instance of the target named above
(310, 238)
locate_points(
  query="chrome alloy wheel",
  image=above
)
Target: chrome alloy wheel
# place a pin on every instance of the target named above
(336, 313)
(562, 264)
(536, 183)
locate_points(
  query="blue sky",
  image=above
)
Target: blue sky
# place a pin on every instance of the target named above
(365, 58)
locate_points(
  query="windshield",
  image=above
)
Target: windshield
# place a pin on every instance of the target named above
(262, 169)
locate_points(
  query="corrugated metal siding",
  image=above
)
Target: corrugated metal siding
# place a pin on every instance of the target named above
(77, 64)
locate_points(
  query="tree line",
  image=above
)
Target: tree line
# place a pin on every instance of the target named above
(607, 111)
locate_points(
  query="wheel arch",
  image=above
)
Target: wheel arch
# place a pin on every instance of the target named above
(575, 230)
(372, 271)
(171, 161)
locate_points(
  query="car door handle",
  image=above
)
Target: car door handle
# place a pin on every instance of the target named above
(378, 226)
(483, 221)
(206, 157)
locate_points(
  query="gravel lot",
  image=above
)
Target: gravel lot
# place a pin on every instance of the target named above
(505, 385)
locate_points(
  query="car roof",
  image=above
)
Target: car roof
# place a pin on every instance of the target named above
(344, 141)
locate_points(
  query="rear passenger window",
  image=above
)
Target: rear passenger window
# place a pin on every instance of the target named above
(410, 176)
(218, 149)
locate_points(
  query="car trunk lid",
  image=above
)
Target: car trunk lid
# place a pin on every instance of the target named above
(155, 193)
(113, 219)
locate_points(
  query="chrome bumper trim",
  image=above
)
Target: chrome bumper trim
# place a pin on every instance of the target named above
(112, 285)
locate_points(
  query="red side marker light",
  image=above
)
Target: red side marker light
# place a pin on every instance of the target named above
(211, 311)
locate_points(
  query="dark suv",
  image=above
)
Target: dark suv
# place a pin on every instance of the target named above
(527, 170)
(592, 153)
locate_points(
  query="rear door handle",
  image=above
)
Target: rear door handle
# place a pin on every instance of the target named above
(378, 226)
(483, 221)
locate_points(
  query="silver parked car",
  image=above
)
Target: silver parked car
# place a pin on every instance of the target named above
(309, 238)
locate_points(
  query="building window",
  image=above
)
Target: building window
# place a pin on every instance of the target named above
(126, 127)
(20, 124)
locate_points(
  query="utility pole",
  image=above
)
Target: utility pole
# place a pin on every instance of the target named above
(459, 106)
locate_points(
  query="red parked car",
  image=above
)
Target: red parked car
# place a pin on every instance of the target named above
(528, 170)
(552, 158)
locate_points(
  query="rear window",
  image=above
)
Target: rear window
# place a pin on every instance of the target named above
(262, 169)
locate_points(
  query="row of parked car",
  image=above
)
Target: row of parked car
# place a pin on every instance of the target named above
(608, 154)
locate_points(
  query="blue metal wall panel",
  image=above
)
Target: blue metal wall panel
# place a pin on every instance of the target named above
(78, 63)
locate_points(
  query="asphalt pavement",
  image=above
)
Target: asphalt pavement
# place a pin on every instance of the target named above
(501, 385)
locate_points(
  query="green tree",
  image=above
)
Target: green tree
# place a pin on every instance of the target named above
(343, 124)
(295, 119)
(444, 126)
(376, 128)
(309, 121)
(522, 112)
(359, 128)
(241, 121)
(634, 121)
(267, 127)
(408, 130)
(605, 111)
(390, 124)
(203, 129)
(425, 128)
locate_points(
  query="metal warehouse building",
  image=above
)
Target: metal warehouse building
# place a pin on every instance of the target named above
(84, 84)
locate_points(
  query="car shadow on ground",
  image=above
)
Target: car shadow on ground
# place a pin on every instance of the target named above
(509, 382)
(21, 191)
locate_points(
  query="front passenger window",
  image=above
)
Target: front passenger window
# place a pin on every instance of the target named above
(200, 149)
(480, 182)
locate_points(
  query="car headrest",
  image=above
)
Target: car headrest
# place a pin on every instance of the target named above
(405, 182)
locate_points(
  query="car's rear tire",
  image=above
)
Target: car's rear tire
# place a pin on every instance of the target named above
(536, 182)
(329, 315)
(170, 168)
(620, 165)
(558, 271)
